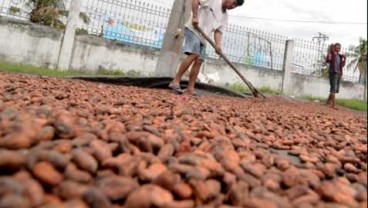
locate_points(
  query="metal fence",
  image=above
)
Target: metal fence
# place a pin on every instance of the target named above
(309, 59)
(131, 21)
(142, 23)
(17, 10)
(252, 47)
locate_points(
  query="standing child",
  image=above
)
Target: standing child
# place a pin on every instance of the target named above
(211, 16)
(337, 63)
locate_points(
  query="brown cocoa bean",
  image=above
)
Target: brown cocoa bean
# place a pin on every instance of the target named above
(255, 169)
(182, 190)
(13, 200)
(9, 185)
(96, 199)
(152, 172)
(350, 168)
(47, 174)
(16, 140)
(101, 150)
(73, 173)
(34, 191)
(46, 133)
(11, 160)
(84, 160)
(117, 187)
(70, 189)
(166, 151)
(147, 196)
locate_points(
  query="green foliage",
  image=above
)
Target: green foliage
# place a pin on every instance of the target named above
(242, 88)
(107, 72)
(81, 31)
(238, 87)
(135, 26)
(133, 73)
(48, 12)
(84, 17)
(268, 90)
(359, 61)
(14, 10)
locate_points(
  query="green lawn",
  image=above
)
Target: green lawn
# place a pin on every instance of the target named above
(355, 104)
(28, 69)
(242, 88)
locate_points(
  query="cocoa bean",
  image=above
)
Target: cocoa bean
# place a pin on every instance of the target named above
(47, 174)
(11, 160)
(117, 187)
(84, 160)
(96, 199)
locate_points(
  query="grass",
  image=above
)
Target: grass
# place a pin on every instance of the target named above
(355, 104)
(29, 69)
(242, 88)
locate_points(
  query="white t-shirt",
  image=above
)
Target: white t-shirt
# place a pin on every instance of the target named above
(210, 18)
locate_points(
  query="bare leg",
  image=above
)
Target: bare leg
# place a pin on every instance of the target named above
(184, 67)
(329, 99)
(193, 75)
(333, 101)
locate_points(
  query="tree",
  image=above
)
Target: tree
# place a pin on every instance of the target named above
(48, 12)
(359, 61)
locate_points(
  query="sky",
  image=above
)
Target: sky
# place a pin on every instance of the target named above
(261, 15)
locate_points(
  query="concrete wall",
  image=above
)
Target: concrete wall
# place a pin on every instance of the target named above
(320, 87)
(92, 53)
(32, 44)
(222, 73)
(23, 42)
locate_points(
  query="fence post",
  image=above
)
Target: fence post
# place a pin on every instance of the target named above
(171, 49)
(288, 57)
(66, 51)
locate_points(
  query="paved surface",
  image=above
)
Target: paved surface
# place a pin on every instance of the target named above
(72, 143)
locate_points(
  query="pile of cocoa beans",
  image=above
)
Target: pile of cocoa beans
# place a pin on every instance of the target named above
(74, 144)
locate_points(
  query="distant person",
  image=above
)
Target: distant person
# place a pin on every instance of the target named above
(211, 16)
(337, 63)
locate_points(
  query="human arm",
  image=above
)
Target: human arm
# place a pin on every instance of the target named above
(218, 36)
(329, 58)
(195, 5)
(343, 60)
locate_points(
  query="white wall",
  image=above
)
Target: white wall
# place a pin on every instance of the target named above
(259, 77)
(92, 53)
(320, 87)
(22, 42)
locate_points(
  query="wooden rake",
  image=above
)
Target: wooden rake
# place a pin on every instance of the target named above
(255, 92)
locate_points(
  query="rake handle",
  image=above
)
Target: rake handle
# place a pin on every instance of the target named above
(251, 87)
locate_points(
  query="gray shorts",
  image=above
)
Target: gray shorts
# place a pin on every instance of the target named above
(193, 45)
(334, 82)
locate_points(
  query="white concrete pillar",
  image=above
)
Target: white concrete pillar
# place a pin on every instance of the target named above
(66, 51)
(172, 44)
(288, 58)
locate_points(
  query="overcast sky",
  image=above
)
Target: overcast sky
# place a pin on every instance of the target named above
(354, 11)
